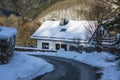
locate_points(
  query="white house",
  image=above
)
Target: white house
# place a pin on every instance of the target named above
(53, 35)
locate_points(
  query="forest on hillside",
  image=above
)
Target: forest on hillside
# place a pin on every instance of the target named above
(27, 15)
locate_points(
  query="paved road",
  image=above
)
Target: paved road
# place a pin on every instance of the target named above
(66, 69)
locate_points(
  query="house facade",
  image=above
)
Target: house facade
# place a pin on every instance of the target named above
(53, 35)
(100, 37)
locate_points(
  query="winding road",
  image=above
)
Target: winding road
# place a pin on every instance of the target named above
(67, 69)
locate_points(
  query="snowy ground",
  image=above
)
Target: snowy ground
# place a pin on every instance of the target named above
(102, 60)
(24, 67)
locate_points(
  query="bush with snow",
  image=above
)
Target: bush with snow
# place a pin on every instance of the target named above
(7, 43)
(7, 32)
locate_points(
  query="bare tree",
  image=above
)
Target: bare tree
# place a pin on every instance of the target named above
(93, 33)
(90, 28)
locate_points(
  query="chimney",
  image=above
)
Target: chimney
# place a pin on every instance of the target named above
(63, 22)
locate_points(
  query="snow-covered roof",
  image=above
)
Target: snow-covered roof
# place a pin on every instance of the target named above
(73, 30)
(7, 32)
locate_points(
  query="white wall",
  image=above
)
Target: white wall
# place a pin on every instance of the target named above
(39, 44)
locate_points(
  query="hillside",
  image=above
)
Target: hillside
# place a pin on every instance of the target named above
(26, 8)
(27, 15)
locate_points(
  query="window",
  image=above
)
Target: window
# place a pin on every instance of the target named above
(64, 46)
(45, 45)
(102, 32)
(63, 30)
(57, 46)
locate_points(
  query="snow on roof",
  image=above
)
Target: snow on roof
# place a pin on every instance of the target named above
(72, 30)
(7, 32)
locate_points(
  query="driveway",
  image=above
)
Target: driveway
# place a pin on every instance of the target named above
(67, 69)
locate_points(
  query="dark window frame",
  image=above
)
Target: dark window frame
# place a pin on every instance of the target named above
(45, 45)
(57, 46)
(64, 46)
(102, 32)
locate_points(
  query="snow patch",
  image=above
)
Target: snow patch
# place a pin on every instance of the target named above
(24, 67)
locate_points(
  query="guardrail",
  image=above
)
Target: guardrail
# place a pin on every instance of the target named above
(30, 49)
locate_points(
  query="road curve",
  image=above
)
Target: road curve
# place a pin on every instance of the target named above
(67, 69)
